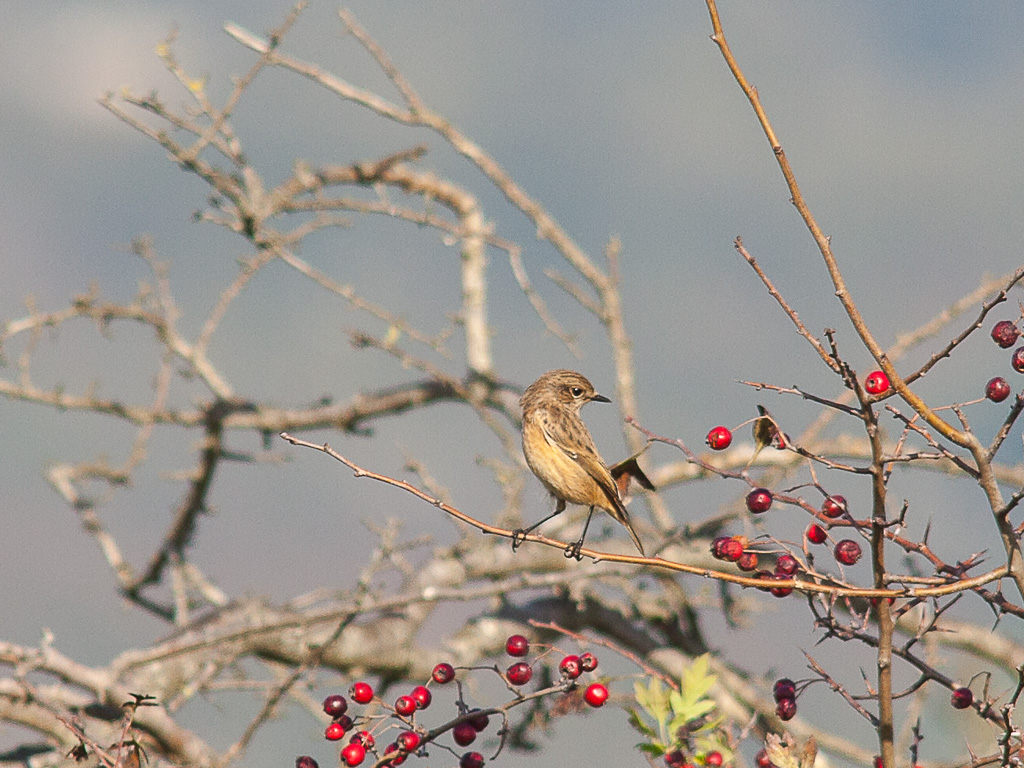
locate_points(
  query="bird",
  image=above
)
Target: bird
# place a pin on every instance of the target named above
(561, 453)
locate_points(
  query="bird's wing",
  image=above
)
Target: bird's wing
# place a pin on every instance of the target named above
(584, 453)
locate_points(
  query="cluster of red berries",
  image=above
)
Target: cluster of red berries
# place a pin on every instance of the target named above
(464, 732)
(363, 741)
(570, 667)
(784, 692)
(1005, 334)
(676, 759)
(733, 549)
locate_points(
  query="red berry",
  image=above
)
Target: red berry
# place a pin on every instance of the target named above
(405, 705)
(732, 550)
(786, 565)
(761, 760)
(876, 383)
(714, 759)
(1017, 361)
(353, 754)
(997, 389)
(878, 762)
(675, 759)
(780, 591)
(443, 673)
(962, 698)
(408, 740)
(334, 732)
(1005, 333)
(588, 661)
(517, 645)
(335, 705)
(365, 738)
(398, 759)
(847, 552)
(519, 674)
(479, 721)
(834, 506)
(786, 709)
(759, 500)
(748, 561)
(570, 666)
(716, 546)
(361, 693)
(816, 534)
(421, 695)
(784, 688)
(305, 761)
(596, 694)
(719, 439)
(471, 760)
(464, 733)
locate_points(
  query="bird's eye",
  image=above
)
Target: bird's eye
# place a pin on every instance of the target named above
(576, 391)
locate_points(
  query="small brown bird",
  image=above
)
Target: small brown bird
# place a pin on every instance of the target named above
(560, 451)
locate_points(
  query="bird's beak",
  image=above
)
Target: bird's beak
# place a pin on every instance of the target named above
(600, 399)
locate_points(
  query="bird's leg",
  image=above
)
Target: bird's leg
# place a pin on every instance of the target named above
(519, 534)
(573, 550)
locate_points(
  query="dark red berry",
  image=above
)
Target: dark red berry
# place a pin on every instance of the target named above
(353, 754)
(334, 732)
(784, 688)
(848, 552)
(761, 760)
(392, 749)
(519, 674)
(962, 698)
(588, 661)
(517, 645)
(1005, 334)
(675, 759)
(471, 760)
(305, 761)
(443, 673)
(834, 506)
(816, 534)
(716, 546)
(421, 695)
(713, 759)
(570, 666)
(719, 439)
(361, 693)
(405, 705)
(876, 383)
(786, 565)
(765, 576)
(335, 705)
(1017, 361)
(365, 738)
(748, 561)
(479, 721)
(780, 591)
(786, 709)
(464, 734)
(408, 740)
(997, 390)
(596, 694)
(759, 500)
(878, 762)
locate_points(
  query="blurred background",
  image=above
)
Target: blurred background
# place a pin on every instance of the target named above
(902, 122)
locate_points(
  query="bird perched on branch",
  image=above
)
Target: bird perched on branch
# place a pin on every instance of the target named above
(560, 451)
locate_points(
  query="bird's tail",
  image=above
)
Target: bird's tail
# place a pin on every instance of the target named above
(622, 516)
